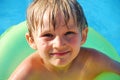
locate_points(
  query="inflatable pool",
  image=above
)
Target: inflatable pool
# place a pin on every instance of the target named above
(14, 48)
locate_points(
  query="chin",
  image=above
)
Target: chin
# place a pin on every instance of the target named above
(61, 63)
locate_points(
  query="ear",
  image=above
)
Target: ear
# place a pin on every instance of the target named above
(30, 41)
(84, 35)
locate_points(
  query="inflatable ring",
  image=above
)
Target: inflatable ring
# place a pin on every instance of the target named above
(14, 48)
(108, 76)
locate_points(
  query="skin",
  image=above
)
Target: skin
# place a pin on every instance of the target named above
(59, 55)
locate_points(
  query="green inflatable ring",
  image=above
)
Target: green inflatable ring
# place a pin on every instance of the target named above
(14, 48)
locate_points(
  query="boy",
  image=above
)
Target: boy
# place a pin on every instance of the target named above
(57, 29)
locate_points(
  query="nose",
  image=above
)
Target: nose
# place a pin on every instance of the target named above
(59, 42)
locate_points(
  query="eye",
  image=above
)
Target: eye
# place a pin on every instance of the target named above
(69, 33)
(49, 35)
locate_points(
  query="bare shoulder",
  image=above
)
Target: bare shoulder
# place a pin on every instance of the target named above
(102, 61)
(26, 67)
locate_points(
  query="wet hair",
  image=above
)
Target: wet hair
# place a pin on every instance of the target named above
(36, 11)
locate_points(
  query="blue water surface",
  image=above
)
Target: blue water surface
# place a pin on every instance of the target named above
(12, 12)
(102, 15)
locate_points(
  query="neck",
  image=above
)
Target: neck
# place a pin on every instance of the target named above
(57, 70)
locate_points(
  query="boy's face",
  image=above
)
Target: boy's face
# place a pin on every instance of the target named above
(60, 46)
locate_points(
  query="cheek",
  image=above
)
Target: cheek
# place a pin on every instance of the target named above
(42, 46)
(75, 41)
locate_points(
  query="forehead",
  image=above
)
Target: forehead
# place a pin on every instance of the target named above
(59, 20)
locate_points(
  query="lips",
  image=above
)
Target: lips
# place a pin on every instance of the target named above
(60, 53)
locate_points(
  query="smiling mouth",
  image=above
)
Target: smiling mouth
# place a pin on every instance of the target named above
(60, 53)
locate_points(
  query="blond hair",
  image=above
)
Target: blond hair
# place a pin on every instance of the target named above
(36, 10)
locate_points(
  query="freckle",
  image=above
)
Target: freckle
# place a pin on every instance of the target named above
(43, 44)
